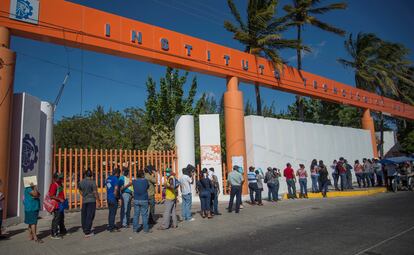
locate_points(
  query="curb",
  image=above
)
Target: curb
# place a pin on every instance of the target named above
(357, 193)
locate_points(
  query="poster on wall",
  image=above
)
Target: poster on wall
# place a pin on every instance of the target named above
(210, 155)
(238, 161)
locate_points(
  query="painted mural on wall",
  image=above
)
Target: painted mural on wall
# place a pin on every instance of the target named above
(29, 153)
(210, 155)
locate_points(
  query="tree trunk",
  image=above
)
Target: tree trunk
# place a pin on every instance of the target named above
(258, 100)
(299, 103)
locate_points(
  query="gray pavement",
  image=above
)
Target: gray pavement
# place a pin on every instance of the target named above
(372, 225)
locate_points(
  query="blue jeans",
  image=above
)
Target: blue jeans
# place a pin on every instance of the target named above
(214, 198)
(344, 181)
(271, 192)
(126, 209)
(112, 207)
(291, 187)
(360, 179)
(235, 191)
(205, 197)
(253, 192)
(314, 179)
(335, 177)
(186, 206)
(324, 187)
(303, 186)
(140, 208)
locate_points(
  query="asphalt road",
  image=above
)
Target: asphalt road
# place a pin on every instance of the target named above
(373, 225)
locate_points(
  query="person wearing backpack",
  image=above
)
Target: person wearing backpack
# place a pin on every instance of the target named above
(215, 192)
(56, 193)
(271, 179)
(170, 201)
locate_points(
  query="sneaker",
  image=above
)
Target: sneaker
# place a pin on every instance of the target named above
(89, 235)
(147, 232)
(192, 219)
(55, 237)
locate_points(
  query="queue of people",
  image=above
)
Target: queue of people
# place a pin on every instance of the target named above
(139, 193)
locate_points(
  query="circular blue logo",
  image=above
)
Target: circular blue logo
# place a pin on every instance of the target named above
(29, 153)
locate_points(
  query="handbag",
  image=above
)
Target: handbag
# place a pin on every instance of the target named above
(49, 204)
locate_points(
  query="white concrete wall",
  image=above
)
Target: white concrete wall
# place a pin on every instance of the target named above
(390, 140)
(210, 145)
(274, 142)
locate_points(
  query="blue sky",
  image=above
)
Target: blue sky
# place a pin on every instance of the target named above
(120, 83)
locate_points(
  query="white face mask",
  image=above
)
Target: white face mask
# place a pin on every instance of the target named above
(205, 175)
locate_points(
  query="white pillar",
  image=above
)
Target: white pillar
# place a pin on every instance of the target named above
(184, 141)
(210, 145)
(46, 133)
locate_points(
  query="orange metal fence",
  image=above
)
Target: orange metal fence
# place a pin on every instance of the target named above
(74, 162)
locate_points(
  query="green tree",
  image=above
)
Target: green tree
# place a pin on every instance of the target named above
(381, 67)
(302, 13)
(163, 105)
(260, 33)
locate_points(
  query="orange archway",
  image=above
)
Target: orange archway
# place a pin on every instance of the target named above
(78, 26)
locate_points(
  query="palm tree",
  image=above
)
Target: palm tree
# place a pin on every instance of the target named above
(260, 33)
(301, 13)
(380, 67)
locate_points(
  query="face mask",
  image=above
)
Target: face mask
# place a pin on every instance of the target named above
(168, 174)
(205, 175)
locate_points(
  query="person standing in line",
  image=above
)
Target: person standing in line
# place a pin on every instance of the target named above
(342, 173)
(112, 196)
(335, 174)
(31, 211)
(259, 178)
(323, 178)
(150, 177)
(204, 190)
(277, 183)
(251, 179)
(56, 193)
(378, 172)
(141, 204)
(289, 174)
(370, 171)
(365, 166)
(348, 168)
(185, 184)
(90, 198)
(170, 203)
(1, 210)
(359, 173)
(235, 181)
(303, 181)
(270, 180)
(314, 175)
(216, 191)
(126, 198)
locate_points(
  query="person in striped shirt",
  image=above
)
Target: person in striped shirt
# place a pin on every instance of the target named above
(253, 188)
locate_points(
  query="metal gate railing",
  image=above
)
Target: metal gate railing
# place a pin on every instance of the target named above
(74, 162)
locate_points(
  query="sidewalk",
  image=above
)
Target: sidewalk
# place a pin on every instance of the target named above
(250, 220)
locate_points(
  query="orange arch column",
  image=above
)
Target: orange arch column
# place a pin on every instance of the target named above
(7, 61)
(368, 124)
(234, 123)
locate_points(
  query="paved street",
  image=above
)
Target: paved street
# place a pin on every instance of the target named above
(371, 225)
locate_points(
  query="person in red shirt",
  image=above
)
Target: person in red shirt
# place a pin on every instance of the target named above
(289, 174)
(342, 172)
(56, 193)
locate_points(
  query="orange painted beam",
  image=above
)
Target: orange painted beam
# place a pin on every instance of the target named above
(78, 26)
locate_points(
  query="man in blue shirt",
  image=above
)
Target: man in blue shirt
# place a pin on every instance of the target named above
(140, 202)
(112, 195)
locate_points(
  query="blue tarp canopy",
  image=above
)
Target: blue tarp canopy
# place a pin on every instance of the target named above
(396, 160)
